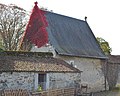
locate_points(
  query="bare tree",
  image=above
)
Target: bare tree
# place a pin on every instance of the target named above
(13, 20)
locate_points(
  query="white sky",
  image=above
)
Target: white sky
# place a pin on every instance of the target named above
(103, 15)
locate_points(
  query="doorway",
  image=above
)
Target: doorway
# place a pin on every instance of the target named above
(42, 81)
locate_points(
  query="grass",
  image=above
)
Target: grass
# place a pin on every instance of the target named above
(114, 92)
(116, 89)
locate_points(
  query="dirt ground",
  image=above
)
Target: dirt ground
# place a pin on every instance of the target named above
(107, 93)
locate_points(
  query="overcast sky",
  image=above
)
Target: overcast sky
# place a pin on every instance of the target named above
(103, 15)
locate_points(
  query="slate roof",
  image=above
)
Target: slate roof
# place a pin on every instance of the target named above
(73, 37)
(24, 62)
(114, 59)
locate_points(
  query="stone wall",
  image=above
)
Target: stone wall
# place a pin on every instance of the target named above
(64, 80)
(112, 73)
(17, 80)
(92, 71)
(118, 74)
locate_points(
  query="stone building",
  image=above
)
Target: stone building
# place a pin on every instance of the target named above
(28, 70)
(112, 70)
(73, 41)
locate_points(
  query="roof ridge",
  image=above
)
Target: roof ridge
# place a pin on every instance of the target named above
(65, 16)
(27, 54)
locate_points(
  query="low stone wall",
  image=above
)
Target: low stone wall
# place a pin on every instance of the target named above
(112, 73)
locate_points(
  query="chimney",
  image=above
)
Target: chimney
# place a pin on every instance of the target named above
(86, 18)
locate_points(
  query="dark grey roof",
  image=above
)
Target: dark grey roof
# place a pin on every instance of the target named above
(71, 36)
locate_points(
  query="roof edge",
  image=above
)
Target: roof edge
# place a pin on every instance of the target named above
(83, 56)
(65, 15)
(40, 71)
